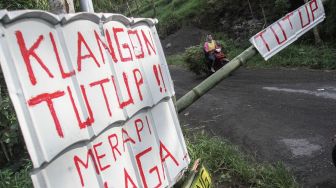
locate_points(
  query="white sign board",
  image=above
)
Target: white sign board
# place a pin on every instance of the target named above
(289, 28)
(93, 96)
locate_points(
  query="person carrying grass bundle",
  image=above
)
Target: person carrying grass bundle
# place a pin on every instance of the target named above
(209, 51)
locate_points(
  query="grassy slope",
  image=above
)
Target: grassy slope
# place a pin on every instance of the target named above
(16, 179)
(298, 54)
(295, 55)
(225, 161)
(172, 15)
(232, 168)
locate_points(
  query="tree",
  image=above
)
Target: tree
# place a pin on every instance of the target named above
(129, 8)
(61, 6)
(250, 7)
(318, 40)
(137, 5)
(154, 8)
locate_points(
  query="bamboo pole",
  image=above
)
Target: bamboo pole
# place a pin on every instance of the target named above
(214, 79)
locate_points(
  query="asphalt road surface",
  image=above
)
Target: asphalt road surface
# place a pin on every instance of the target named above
(274, 115)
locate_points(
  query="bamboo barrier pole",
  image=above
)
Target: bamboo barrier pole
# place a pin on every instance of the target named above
(218, 76)
(214, 79)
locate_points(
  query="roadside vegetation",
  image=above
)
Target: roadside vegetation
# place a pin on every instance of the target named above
(299, 54)
(173, 14)
(232, 168)
(228, 165)
(16, 178)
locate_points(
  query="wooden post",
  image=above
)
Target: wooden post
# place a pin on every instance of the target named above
(61, 6)
(318, 40)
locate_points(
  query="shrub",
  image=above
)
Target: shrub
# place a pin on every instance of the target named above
(233, 168)
(24, 4)
(281, 7)
(299, 55)
(16, 178)
(177, 3)
(9, 128)
(10, 135)
(328, 27)
(196, 61)
(194, 57)
(169, 26)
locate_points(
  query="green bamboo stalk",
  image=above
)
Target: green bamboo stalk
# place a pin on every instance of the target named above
(214, 79)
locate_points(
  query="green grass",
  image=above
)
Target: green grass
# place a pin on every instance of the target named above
(229, 166)
(294, 56)
(173, 15)
(299, 55)
(177, 60)
(226, 163)
(20, 179)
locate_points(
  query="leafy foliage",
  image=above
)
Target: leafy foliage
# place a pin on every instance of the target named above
(170, 26)
(329, 27)
(10, 136)
(195, 59)
(9, 127)
(24, 4)
(234, 168)
(177, 59)
(281, 7)
(172, 15)
(16, 179)
(296, 55)
(300, 55)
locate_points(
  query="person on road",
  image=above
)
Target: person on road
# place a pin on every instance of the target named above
(209, 50)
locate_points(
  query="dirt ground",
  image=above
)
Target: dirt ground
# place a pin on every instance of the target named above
(184, 38)
(275, 115)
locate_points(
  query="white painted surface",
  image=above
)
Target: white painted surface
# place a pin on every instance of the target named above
(95, 74)
(130, 68)
(39, 118)
(152, 65)
(108, 123)
(168, 136)
(289, 28)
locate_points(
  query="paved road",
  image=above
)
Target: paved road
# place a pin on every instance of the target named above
(286, 115)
